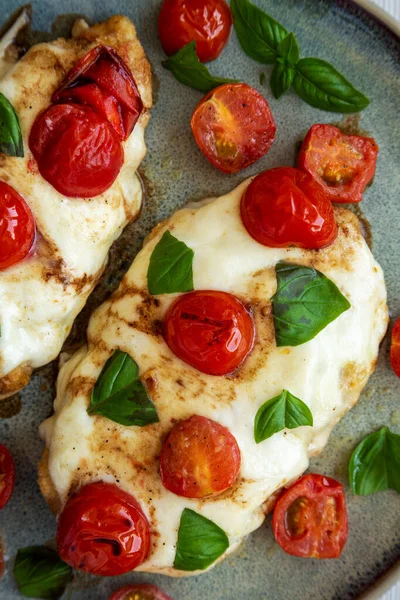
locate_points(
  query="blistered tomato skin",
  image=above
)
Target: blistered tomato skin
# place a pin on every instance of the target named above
(142, 591)
(310, 518)
(342, 164)
(233, 126)
(199, 458)
(395, 348)
(210, 330)
(208, 22)
(17, 227)
(287, 207)
(7, 475)
(103, 531)
(77, 151)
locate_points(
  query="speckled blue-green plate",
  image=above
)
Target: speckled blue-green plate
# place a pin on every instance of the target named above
(175, 171)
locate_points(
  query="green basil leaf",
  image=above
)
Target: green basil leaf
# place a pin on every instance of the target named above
(10, 130)
(318, 83)
(283, 411)
(200, 542)
(171, 267)
(305, 303)
(186, 68)
(40, 573)
(289, 49)
(258, 33)
(120, 396)
(375, 463)
(281, 78)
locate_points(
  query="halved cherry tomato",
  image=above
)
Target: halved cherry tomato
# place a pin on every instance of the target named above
(287, 207)
(343, 164)
(7, 475)
(233, 126)
(141, 591)
(208, 22)
(210, 330)
(102, 530)
(199, 458)
(77, 151)
(310, 518)
(395, 348)
(17, 227)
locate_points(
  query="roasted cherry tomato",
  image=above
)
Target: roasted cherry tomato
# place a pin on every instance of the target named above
(395, 348)
(102, 530)
(199, 458)
(17, 227)
(105, 68)
(77, 151)
(7, 475)
(208, 22)
(343, 164)
(142, 591)
(310, 518)
(212, 331)
(233, 126)
(287, 207)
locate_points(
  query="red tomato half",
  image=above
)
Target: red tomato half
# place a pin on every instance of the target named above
(310, 518)
(103, 531)
(287, 207)
(233, 126)
(77, 151)
(343, 164)
(199, 458)
(17, 227)
(142, 591)
(208, 22)
(212, 331)
(7, 475)
(395, 348)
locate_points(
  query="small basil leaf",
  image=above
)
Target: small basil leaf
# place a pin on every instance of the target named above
(200, 542)
(186, 68)
(375, 463)
(258, 33)
(305, 303)
(40, 573)
(10, 130)
(281, 79)
(171, 267)
(289, 49)
(318, 83)
(283, 411)
(119, 371)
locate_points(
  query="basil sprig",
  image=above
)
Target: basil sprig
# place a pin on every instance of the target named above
(375, 463)
(171, 267)
(316, 81)
(186, 68)
(280, 412)
(40, 573)
(305, 302)
(200, 542)
(120, 396)
(10, 130)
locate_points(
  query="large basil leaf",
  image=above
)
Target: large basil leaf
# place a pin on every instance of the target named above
(186, 68)
(200, 542)
(40, 573)
(171, 267)
(321, 85)
(283, 411)
(375, 463)
(305, 303)
(120, 396)
(258, 33)
(10, 130)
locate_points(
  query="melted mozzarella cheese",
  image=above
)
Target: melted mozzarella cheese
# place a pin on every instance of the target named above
(327, 373)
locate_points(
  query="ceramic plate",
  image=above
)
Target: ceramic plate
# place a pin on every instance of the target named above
(173, 173)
